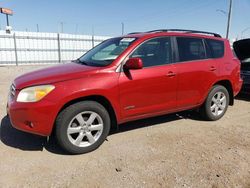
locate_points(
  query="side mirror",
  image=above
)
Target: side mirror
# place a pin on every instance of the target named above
(133, 63)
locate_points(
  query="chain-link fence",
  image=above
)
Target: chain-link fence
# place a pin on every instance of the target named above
(19, 48)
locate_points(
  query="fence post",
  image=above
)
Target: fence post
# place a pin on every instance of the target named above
(59, 48)
(93, 41)
(15, 48)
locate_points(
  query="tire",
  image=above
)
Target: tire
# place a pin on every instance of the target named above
(82, 127)
(216, 103)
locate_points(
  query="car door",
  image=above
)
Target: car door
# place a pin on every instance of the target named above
(194, 71)
(151, 89)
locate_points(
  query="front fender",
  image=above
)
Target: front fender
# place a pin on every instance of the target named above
(75, 90)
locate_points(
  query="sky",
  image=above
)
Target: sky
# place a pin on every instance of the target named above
(105, 17)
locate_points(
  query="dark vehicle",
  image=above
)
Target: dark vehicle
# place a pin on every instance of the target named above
(242, 50)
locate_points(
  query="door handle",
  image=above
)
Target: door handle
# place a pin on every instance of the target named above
(212, 68)
(171, 74)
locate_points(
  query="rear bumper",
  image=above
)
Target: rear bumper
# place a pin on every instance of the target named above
(36, 118)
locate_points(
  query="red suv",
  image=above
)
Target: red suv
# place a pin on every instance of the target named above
(126, 78)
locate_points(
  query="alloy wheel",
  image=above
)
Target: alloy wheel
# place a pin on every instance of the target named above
(85, 129)
(218, 103)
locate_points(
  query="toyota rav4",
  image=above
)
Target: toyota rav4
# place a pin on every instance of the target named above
(126, 78)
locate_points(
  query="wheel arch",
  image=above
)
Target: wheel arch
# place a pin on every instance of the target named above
(97, 98)
(228, 85)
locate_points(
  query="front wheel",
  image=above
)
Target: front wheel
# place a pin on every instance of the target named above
(82, 127)
(216, 103)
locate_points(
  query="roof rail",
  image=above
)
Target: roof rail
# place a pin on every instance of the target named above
(180, 30)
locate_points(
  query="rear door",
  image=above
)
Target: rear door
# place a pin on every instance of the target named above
(194, 71)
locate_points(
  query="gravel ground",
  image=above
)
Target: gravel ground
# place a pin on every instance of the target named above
(177, 150)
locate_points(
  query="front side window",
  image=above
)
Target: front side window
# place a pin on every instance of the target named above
(154, 52)
(190, 49)
(106, 52)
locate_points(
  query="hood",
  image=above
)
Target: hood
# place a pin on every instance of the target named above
(242, 49)
(68, 71)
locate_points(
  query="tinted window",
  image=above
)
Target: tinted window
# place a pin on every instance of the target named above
(154, 52)
(216, 48)
(190, 49)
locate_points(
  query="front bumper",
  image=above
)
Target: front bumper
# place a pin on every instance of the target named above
(37, 118)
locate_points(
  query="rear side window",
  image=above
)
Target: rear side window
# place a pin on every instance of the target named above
(216, 48)
(190, 49)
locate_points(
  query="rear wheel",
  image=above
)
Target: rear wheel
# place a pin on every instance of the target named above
(82, 127)
(216, 103)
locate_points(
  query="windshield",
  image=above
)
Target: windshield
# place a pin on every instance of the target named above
(106, 52)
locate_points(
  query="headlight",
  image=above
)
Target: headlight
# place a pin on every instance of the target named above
(34, 94)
